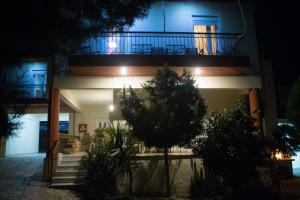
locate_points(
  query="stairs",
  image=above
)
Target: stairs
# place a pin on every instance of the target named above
(66, 170)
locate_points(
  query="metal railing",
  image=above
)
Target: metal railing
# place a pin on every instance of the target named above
(29, 91)
(162, 43)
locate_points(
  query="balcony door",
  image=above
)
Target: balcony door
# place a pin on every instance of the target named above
(205, 35)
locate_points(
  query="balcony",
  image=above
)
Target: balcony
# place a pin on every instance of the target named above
(155, 49)
(31, 93)
(160, 43)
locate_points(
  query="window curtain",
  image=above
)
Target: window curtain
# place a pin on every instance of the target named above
(201, 39)
(213, 29)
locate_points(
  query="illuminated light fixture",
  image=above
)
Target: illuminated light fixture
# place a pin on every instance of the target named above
(112, 45)
(111, 108)
(198, 71)
(123, 71)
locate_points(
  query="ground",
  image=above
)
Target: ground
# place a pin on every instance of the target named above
(21, 179)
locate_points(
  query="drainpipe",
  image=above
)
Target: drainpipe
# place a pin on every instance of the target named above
(164, 16)
(244, 20)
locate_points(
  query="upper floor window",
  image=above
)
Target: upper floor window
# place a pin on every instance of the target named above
(205, 39)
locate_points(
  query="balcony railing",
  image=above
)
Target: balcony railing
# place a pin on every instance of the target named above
(29, 91)
(163, 43)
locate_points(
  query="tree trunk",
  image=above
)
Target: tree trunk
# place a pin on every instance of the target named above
(166, 157)
(130, 182)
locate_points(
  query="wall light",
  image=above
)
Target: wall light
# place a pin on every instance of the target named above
(112, 44)
(111, 108)
(123, 71)
(198, 71)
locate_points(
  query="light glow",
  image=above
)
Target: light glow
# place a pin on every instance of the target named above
(198, 71)
(111, 108)
(112, 44)
(123, 71)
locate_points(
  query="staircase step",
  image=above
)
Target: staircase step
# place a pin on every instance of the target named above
(69, 162)
(66, 172)
(62, 185)
(67, 167)
(69, 145)
(64, 179)
(71, 158)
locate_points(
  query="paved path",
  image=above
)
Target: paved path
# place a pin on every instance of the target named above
(21, 179)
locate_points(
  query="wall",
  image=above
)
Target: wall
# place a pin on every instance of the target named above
(27, 138)
(149, 177)
(178, 15)
(24, 75)
(90, 115)
(218, 100)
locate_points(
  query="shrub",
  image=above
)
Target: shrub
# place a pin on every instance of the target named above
(107, 160)
(229, 148)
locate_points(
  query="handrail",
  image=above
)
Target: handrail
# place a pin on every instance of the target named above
(157, 32)
(161, 43)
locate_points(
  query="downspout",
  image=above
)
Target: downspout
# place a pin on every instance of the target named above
(244, 20)
(164, 16)
(242, 35)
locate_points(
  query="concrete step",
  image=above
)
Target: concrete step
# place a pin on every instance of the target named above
(68, 150)
(69, 144)
(71, 158)
(63, 179)
(66, 172)
(63, 185)
(69, 162)
(67, 167)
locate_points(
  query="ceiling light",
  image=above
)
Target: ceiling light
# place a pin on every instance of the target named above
(198, 71)
(111, 108)
(123, 71)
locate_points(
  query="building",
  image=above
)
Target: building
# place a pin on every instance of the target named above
(209, 38)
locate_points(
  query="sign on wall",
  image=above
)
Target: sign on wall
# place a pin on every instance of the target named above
(82, 128)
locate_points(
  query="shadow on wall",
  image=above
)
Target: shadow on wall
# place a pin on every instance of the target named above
(149, 178)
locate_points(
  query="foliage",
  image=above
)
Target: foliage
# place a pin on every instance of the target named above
(293, 105)
(11, 109)
(205, 186)
(100, 170)
(286, 140)
(85, 142)
(170, 112)
(76, 146)
(106, 162)
(229, 148)
(44, 28)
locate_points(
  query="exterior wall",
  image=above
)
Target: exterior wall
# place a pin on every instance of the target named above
(25, 75)
(91, 115)
(218, 100)
(27, 138)
(179, 18)
(149, 178)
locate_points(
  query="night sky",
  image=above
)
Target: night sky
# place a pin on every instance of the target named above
(278, 24)
(278, 31)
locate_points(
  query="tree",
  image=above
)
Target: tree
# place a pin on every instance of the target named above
(11, 109)
(170, 113)
(293, 105)
(229, 148)
(46, 29)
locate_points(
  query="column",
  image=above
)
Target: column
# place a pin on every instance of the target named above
(54, 117)
(254, 106)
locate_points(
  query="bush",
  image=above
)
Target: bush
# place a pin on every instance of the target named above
(107, 160)
(230, 149)
(99, 178)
